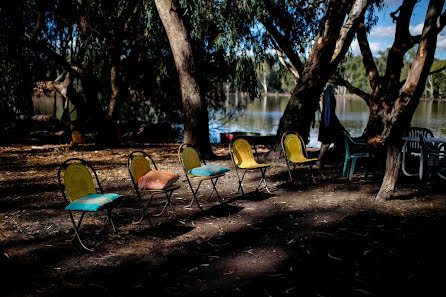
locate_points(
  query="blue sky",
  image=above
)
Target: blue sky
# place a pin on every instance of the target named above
(382, 35)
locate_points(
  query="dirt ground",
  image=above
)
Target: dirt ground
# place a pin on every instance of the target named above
(325, 239)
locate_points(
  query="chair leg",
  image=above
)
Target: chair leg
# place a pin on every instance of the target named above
(289, 171)
(214, 185)
(240, 183)
(352, 168)
(194, 196)
(76, 230)
(109, 215)
(263, 179)
(143, 210)
(310, 168)
(168, 195)
(346, 164)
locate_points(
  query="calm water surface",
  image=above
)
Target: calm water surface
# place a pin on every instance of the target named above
(263, 115)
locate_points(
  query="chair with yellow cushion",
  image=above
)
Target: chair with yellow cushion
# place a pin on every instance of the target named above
(242, 156)
(190, 159)
(138, 164)
(295, 152)
(77, 180)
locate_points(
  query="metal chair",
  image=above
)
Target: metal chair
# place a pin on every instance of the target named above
(76, 182)
(242, 157)
(351, 158)
(432, 159)
(412, 150)
(138, 164)
(190, 158)
(295, 152)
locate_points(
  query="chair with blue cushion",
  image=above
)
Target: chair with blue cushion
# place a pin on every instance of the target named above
(195, 168)
(77, 180)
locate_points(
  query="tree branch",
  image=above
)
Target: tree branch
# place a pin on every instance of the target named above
(282, 59)
(40, 20)
(283, 44)
(437, 70)
(347, 34)
(367, 57)
(131, 16)
(337, 80)
(441, 22)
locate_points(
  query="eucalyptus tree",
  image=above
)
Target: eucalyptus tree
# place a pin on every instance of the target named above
(393, 100)
(112, 67)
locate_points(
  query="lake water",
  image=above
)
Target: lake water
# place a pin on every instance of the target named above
(263, 115)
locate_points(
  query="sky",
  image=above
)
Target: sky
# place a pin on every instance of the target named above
(382, 35)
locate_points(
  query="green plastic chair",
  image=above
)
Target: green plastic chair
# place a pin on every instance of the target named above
(350, 158)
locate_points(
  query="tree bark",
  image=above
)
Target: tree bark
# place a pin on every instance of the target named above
(393, 163)
(196, 126)
(399, 115)
(304, 100)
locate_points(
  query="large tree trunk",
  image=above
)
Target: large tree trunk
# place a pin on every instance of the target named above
(196, 126)
(399, 115)
(304, 100)
(393, 163)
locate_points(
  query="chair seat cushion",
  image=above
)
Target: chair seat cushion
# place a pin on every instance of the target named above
(208, 170)
(157, 180)
(92, 202)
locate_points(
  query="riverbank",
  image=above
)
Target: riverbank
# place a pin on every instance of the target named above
(324, 239)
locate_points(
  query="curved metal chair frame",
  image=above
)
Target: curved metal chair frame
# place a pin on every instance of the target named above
(167, 192)
(304, 152)
(190, 177)
(350, 159)
(413, 148)
(431, 159)
(262, 169)
(77, 224)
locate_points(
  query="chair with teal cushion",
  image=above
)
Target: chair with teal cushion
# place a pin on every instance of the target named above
(195, 168)
(208, 170)
(350, 157)
(77, 179)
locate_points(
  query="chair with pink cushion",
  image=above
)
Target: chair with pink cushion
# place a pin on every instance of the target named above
(148, 180)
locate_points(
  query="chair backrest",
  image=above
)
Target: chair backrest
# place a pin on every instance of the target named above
(77, 180)
(431, 158)
(138, 164)
(241, 151)
(189, 157)
(347, 141)
(293, 146)
(414, 132)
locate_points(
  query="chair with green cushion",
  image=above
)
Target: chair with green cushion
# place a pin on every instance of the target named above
(77, 179)
(350, 157)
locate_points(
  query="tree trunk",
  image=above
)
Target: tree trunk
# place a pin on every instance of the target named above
(196, 125)
(115, 99)
(398, 115)
(393, 163)
(304, 100)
